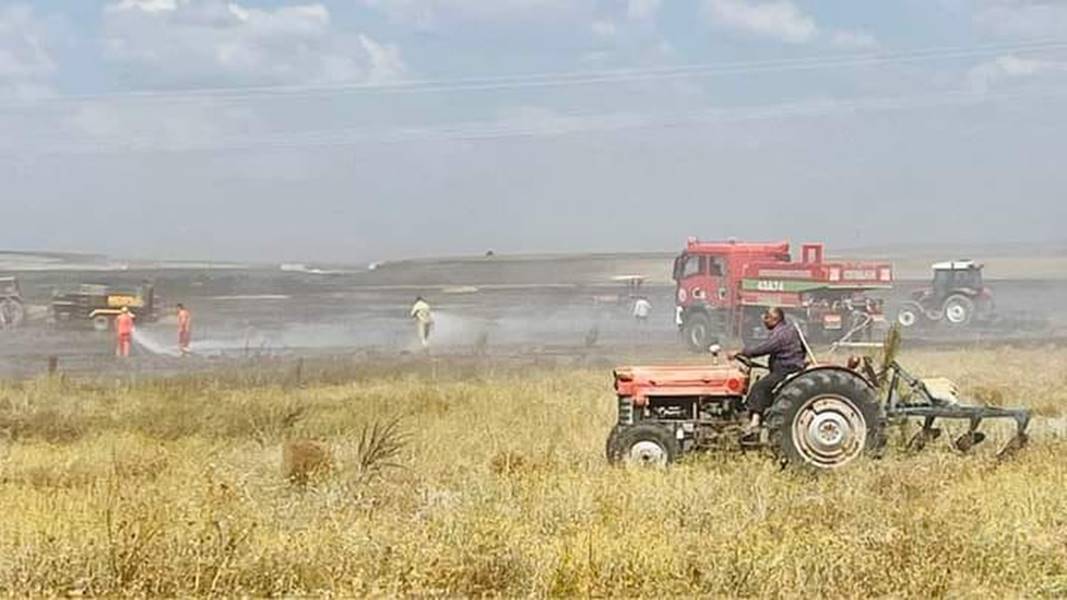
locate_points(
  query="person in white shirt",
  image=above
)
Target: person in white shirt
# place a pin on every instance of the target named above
(420, 311)
(642, 308)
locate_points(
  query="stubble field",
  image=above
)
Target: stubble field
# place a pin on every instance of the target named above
(492, 481)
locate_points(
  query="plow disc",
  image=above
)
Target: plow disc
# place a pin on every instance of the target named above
(931, 407)
(936, 399)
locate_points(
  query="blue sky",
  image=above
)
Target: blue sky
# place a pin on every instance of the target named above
(362, 129)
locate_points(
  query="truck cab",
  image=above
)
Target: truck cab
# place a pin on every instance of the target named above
(708, 273)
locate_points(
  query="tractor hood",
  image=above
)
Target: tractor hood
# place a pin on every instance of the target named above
(680, 380)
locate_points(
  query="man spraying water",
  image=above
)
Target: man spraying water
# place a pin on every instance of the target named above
(185, 329)
(420, 311)
(123, 333)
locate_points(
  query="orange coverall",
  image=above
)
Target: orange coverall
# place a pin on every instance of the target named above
(124, 331)
(185, 330)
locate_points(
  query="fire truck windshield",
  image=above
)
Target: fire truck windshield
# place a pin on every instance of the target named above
(688, 265)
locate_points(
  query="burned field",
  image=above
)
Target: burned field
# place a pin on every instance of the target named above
(548, 307)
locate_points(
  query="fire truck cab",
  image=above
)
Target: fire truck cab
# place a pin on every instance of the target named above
(723, 287)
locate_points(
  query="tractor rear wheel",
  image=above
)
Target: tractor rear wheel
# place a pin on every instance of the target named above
(101, 323)
(697, 332)
(644, 444)
(824, 419)
(959, 310)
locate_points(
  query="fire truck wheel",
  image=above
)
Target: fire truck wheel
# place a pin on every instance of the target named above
(697, 332)
(959, 310)
(101, 323)
(824, 419)
(644, 444)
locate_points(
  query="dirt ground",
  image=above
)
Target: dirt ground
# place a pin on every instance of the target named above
(534, 309)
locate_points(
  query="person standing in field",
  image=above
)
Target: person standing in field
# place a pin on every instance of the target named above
(420, 311)
(185, 329)
(642, 308)
(124, 333)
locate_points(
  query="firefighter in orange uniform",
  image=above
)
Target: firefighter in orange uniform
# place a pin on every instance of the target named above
(185, 329)
(124, 332)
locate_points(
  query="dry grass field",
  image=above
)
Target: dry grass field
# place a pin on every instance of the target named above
(495, 483)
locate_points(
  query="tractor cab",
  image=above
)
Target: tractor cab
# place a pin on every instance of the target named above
(955, 276)
(9, 288)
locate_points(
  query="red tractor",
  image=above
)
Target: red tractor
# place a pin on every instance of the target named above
(957, 297)
(822, 418)
(723, 288)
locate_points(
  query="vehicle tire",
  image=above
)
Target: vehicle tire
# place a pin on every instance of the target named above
(644, 444)
(909, 315)
(12, 313)
(101, 323)
(697, 331)
(611, 447)
(958, 310)
(824, 419)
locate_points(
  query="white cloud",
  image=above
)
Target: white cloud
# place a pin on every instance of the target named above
(1022, 18)
(641, 10)
(385, 61)
(779, 19)
(856, 40)
(151, 6)
(189, 42)
(26, 57)
(986, 75)
(432, 14)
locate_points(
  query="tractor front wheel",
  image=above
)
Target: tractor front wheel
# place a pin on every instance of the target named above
(959, 310)
(697, 332)
(644, 444)
(909, 315)
(12, 313)
(825, 419)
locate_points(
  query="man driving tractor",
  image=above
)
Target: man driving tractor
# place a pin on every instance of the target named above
(785, 355)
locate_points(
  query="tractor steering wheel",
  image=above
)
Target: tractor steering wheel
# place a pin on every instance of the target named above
(749, 362)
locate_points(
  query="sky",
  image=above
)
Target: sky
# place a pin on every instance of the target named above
(360, 130)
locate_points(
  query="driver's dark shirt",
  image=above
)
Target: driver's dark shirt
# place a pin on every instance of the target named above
(783, 348)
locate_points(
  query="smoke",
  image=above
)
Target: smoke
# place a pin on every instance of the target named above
(479, 325)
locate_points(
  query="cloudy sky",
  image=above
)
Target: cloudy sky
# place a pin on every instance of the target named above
(370, 129)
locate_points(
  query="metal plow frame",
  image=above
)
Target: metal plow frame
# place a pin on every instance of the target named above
(930, 409)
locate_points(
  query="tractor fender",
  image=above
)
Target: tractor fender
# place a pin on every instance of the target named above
(793, 377)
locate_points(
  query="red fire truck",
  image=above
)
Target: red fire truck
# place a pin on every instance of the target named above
(724, 287)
